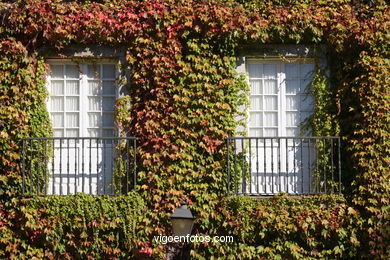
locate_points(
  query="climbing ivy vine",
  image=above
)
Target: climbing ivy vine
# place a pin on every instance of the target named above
(185, 93)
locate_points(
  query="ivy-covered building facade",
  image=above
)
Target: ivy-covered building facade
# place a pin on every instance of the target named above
(270, 119)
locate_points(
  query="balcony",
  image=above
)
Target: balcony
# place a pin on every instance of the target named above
(63, 166)
(257, 166)
(290, 165)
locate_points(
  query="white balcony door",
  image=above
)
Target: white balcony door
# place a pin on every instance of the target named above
(81, 104)
(280, 101)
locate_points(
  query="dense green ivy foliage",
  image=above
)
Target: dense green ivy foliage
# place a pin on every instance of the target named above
(81, 226)
(319, 227)
(185, 95)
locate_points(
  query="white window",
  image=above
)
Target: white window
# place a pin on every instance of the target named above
(280, 97)
(81, 104)
(82, 97)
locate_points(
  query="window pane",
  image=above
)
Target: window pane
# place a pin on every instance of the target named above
(72, 103)
(270, 87)
(290, 131)
(256, 87)
(292, 118)
(108, 119)
(108, 103)
(256, 103)
(271, 102)
(254, 70)
(72, 133)
(93, 71)
(255, 132)
(94, 87)
(256, 119)
(292, 70)
(305, 115)
(271, 132)
(108, 133)
(307, 103)
(57, 87)
(93, 132)
(57, 103)
(292, 86)
(72, 119)
(58, 133)
(95, 119)
(269, 70)
(57, 71)
(57, 119)
(109, 87)
(109, 71)
(271, 119)
(95, 103)
(72, 71)
(72, 87)
(305, 85)
(292, 102)
(307, 70)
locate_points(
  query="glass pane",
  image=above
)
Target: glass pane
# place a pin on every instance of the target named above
(290, 131)
(305, 115)
(108, 103)
(95, 119)
(256, 132)
(292, 70)
(271, 119)
(292, 118)
(109, 87)
(270, 102)
(72, 119)
(57, 87)
(256, 87)
(256, 103)
(57, 119)
(307, 102)
(292, 86)
(109, 71)
(254, 70)
(270, 132)
(57, 104)
(58, 133)
(72, 104)
(95, 103)
(269, 70)
(72, 71)
(57, 71)
(72, 133)
(94, 87)
(93, 71)
(108, 119)
(292, 102)
(108, 133)
(93, 132)
(255, 119)
(307, 70)
(305, 85)
(72, 87)
(270, 87)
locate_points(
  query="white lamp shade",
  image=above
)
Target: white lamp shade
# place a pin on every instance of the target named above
(182, 226)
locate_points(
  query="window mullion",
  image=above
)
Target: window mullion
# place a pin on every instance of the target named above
(83, 102)
(282, 104)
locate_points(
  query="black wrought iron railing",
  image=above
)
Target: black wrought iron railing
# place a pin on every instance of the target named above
(290, 165)
(68, 165)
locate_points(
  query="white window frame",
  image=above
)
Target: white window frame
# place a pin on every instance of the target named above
(281, 95)
(83, 93)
